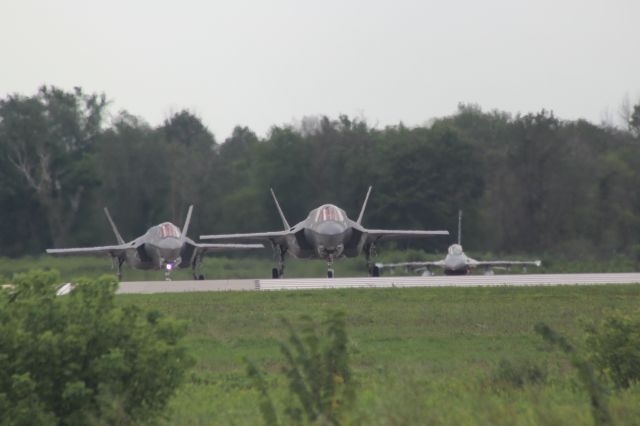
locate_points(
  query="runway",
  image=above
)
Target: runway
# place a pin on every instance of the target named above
(150, 287)
(520, 280)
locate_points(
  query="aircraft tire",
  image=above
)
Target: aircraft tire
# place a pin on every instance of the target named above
(329, 273)
(274, 273)
(201, 277)
(375, 271)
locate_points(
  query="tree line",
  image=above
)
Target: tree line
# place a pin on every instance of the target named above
(527, 183)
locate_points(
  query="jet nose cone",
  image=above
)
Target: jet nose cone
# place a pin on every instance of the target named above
(329, 238)
(169, 244)
(456, 264)
(330, 228)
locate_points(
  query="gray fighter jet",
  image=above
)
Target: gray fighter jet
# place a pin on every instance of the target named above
(327, 233)
(456, 262)
(163, 246)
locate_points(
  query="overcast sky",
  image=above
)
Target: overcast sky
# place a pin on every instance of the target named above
(264, 63)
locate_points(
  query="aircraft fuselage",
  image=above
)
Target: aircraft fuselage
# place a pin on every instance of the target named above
(159, 248)
(327, 233)
(456, 262)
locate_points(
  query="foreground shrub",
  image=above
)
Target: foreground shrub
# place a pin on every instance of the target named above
(317, 370)
(599, 409)
(80, 359)
(614, 348)
(516, 374)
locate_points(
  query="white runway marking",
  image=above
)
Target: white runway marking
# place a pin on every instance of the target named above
(148, 287)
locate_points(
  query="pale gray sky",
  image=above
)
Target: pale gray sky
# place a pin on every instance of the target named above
(260, 63)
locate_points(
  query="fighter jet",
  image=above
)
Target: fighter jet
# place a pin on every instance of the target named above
(456, 262)
(163, 246)
(327, 233)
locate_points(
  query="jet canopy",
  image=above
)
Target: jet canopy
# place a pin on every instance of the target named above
(168, 229)
(328, 212)
(455, 249)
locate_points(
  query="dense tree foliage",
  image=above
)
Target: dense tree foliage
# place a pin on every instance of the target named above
(75, 359)
(527, 183)
(46, 146)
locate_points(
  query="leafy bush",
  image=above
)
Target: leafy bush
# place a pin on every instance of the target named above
(599, 406)
(516, 374)
(81, 359)
(318, 373)
(614, 348)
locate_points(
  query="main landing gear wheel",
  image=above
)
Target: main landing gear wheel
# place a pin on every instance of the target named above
(375, 271)
(280, 252)
(277, 273)
(370, 252)
(195, 266)
(117, 264)
(329, 273)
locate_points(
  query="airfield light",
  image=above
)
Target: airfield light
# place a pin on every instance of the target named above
(169, 266)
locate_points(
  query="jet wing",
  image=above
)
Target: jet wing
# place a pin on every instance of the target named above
(276, 237)
(192, 251)
(503, 263)
(113, 251)
(412, 266)
(206, 248)
(374, 235)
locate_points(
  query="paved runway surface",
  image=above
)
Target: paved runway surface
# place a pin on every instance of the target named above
(147, 287)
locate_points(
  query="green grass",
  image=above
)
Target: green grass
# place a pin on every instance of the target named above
(260, 264)
(213, 267)
(420, 356)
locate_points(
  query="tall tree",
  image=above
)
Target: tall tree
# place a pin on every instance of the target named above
(634, 121)
(48, 139)
(426, 176)
(191, 151)
(133, 172)
(240, 190)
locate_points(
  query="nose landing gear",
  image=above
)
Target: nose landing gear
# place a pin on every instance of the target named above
(330, 271)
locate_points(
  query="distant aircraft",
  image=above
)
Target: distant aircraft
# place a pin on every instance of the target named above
(161, 247)
(456, 262)
(327, 233)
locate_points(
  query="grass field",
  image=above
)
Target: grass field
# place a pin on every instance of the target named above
(420, 356)
(260, 264)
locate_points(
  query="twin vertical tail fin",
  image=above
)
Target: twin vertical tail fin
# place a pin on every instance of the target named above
(364, 206)
(459, 227)
(187, 221)
(284, 219)
(114, 227)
